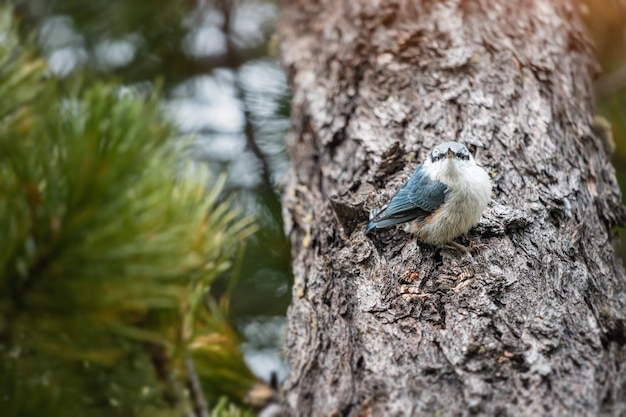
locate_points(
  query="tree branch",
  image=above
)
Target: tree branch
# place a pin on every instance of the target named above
(195, 389)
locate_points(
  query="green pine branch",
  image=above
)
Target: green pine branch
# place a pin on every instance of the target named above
(109, 245)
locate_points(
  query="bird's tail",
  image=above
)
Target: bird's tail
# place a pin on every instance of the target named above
(382, 219)
(372, 223)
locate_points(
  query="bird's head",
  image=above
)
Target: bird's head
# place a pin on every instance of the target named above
(451, 157)
(451, 152)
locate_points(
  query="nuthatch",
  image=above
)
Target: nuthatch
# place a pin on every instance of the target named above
(444, 198)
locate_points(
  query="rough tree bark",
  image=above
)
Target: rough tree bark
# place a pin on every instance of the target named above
(532, 324)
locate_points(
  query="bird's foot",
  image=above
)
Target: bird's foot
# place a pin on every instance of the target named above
(473, 247)
(457, 246)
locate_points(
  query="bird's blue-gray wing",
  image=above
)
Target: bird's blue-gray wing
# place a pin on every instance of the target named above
(418, 198)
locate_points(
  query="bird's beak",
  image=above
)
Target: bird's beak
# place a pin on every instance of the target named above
(450, 153)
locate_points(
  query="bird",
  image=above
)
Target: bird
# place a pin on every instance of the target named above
(443, 199)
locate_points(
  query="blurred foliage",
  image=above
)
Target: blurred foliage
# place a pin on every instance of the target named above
(110, 244)
(606, 22)
(224, 408)
(157, 37)
(154, 29)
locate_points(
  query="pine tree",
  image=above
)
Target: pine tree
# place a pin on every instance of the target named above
(108, 246)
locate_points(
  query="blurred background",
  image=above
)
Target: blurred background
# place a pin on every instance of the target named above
(606, 23)
(223, 86)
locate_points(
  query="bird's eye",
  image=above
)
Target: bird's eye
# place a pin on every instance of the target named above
(462, 155)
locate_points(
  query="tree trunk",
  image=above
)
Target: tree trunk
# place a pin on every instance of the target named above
(531, 324)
